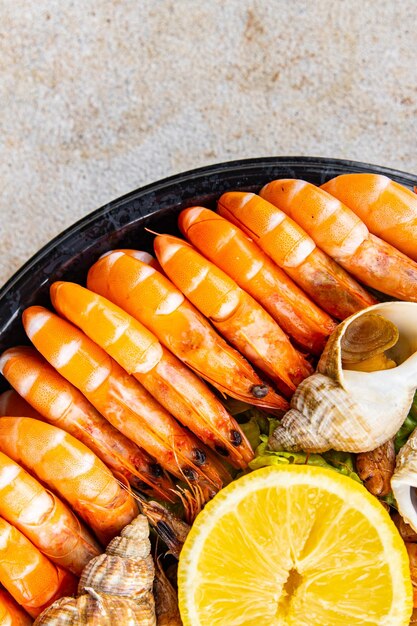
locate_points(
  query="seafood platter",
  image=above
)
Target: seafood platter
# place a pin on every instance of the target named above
(208, 409)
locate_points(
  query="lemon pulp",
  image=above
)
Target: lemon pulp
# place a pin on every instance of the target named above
(297, 545)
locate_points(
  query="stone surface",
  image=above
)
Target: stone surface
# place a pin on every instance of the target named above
(101, 97)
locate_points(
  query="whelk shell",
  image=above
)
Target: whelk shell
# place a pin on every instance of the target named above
(115, 587)
(348, 410)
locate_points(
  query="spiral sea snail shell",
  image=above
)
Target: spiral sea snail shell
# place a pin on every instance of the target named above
(355, 411)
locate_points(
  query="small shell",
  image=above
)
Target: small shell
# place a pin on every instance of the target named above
(133, 541)
(127, 567)
(350, 410)
(117, 575)
(106, 610)
(116, 587)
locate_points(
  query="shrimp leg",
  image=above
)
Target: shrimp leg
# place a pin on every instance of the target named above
(387, 208)
(68, 467)
(328, 284)
(153, 300)
(119, 397)
(30, 578)
(238, 317)
(343, 235)
(61, 404)
(139, 352)
(230, 249)
(44, 519)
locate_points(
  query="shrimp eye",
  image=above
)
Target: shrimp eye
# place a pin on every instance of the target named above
(235, 437)
(156, 470)
(259, 391)
(199, 456)
(189, 473)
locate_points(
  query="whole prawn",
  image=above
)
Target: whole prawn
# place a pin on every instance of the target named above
(153, 300)
(343, 235)
(120, 398)
(69, 468)
(11, 613)
(387, 208)
(232, 251)
(281, 238)
(30, 578)
(44, 519)
(60, 403)
(235, 314)
(139, 352)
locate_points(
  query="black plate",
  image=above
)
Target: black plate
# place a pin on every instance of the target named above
(121, 224)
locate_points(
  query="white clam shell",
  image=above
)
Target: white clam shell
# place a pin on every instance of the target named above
(349, 410)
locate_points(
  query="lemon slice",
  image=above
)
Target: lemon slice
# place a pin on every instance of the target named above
(294, 546)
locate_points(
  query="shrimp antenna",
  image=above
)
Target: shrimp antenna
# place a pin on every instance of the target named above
(148, 230)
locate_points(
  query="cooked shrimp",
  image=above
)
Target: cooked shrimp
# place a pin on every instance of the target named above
(141, 255)
(340, 233)
(228, 247)
(171, 529)
(236, 315)
(329, 285)
(61, 404)
(119, 397)
(44, 519)
(31, 578)
(139, 352)
(13, 405)
(11, 614)
(70, 469)
(153, 300)
(387, 208)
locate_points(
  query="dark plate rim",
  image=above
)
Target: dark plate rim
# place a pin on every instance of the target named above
(312, 162)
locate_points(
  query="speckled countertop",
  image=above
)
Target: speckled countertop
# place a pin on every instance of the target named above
(100, 97)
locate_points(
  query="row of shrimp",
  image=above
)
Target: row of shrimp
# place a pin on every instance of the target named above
(114, 391)
(59, 503)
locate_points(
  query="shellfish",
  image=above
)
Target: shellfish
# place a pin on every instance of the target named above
(356, 411)
(114, 587)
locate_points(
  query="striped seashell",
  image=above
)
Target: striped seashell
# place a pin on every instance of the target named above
(119, 576)
(94, 608)
(133, 541)
(115, 587)
(348, 410)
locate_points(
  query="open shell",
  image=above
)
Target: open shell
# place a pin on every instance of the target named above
(348, 410)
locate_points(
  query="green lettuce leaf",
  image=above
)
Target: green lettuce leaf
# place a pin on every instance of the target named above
(341, 462)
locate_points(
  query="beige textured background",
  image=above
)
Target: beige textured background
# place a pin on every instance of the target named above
(99, 96)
